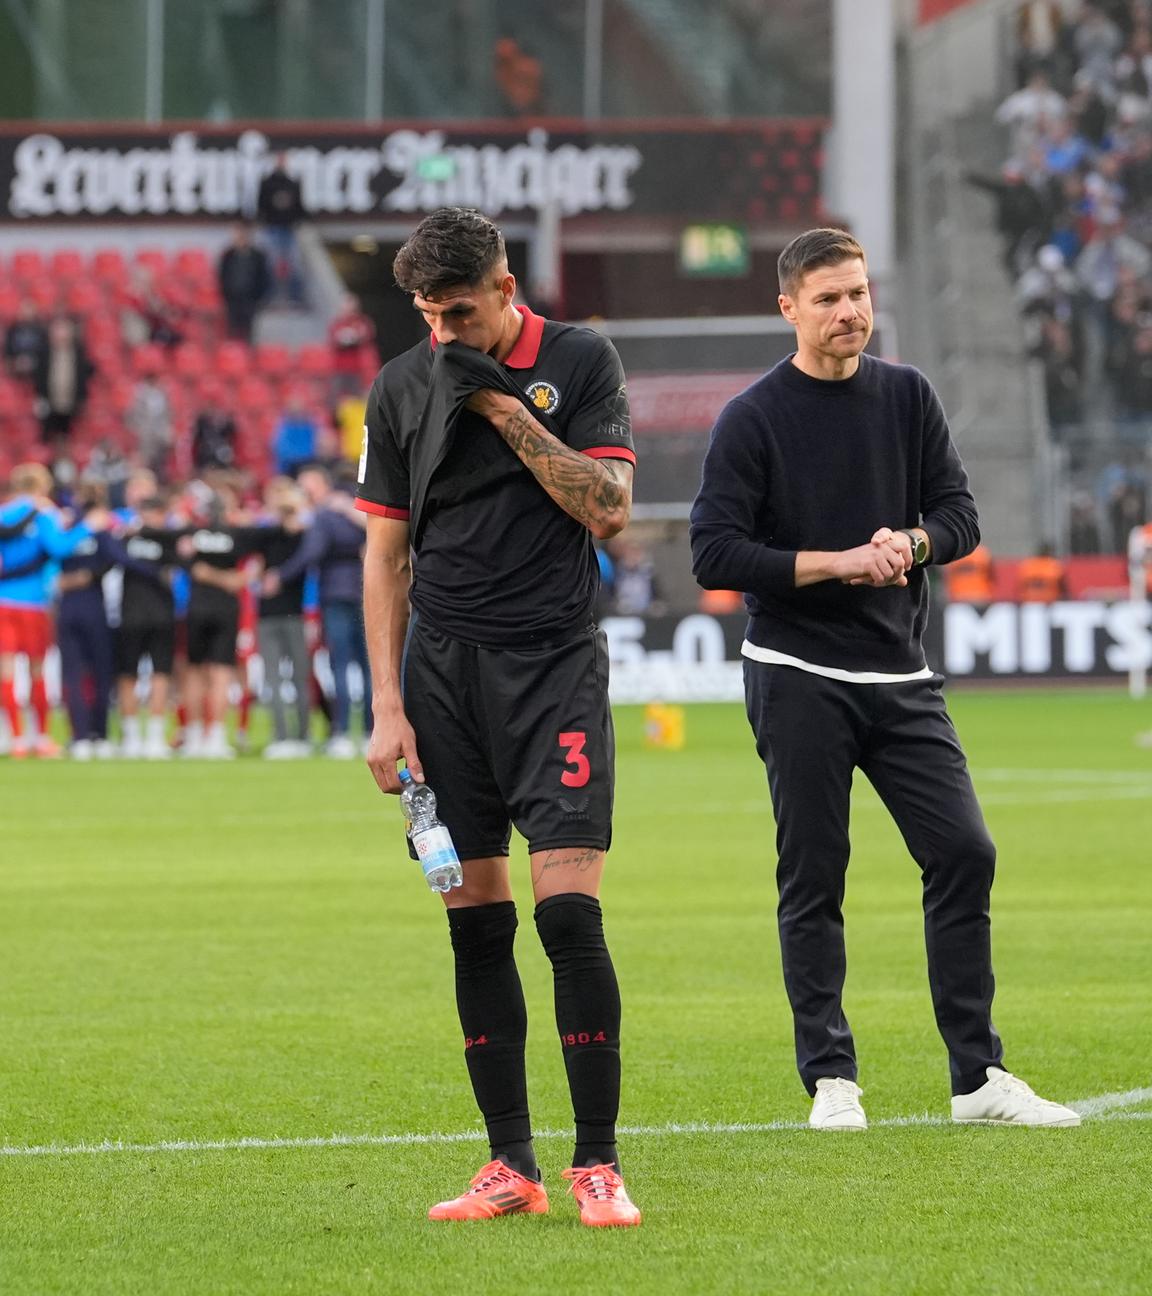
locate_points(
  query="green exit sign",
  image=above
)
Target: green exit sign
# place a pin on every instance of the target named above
(714, 249)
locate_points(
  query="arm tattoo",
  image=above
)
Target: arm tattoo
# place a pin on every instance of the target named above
(593, 491)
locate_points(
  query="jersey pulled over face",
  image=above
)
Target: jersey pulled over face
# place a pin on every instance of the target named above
(498, 563)
(831, 310)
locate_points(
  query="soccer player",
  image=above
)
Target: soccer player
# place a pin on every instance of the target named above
(828, 486)
(215, 554)
(147, 629)
(26, 596)
(495, 451)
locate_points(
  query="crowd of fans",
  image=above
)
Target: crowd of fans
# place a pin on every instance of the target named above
(1074, 205)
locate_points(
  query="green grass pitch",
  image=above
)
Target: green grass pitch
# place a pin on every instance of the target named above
(202, 954)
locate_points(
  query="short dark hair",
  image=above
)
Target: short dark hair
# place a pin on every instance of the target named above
(452, 246)
(815, 247)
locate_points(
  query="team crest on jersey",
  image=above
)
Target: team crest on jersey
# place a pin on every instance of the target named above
(544, 396)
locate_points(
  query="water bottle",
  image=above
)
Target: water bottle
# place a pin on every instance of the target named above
(429, 837)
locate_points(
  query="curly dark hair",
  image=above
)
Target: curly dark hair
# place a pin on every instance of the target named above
(814, 248)
(452, 246)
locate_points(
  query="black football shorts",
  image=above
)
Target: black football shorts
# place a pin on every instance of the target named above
(212, 636)
(154, 639)
(517, 736)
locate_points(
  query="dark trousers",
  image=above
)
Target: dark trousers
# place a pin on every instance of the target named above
(344, 636)
(812, 733)
(85, 644)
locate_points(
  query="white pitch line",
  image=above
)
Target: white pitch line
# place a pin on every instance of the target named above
(1103, 1107)
(1060, 775)
(1110, 1102)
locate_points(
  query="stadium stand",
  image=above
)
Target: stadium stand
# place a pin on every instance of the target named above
(175, 293)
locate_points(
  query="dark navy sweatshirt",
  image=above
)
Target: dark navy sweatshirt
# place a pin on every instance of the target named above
(799, 463)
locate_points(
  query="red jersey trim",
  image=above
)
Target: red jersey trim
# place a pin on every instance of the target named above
(527, 349)
(611, 452)
(382, 510)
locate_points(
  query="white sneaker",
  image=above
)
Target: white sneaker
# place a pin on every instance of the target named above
(193, 746)
(284, 749)
(341, 748)
(102, 749)
(837, 1105)
(1007, 1100)
(81, 750)
(131, 749)
(216, 746)
(156, 750)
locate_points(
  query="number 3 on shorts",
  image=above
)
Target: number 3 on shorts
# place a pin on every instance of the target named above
(573, 745)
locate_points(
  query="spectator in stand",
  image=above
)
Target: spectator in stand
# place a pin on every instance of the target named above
(280, 209)
(351, 412)
(1029, 112)
(1065, 152)
(637, 592)
(150, 418)
(1090, 111)
(1083, 526)
(1041, 578)
(107, 464)
(213, 434)
(970, 579)
(145, 315)
(352, 340)
(1059, 355)
(281, 634)
(61, 381)
(1100, 268)
(147, 629)
(519, 78)
(1134, 385)
(26, 598)
(1022, 212)
(1127, 508)
(25, 343)
(1097, 40)
(333, 546)
(296, 440)
(1040, 45)
(245, 279)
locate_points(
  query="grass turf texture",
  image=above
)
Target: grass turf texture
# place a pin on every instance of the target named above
(208, 952)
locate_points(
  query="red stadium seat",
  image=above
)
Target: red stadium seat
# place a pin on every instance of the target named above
(108, 266)
(314, 360)
(83, 297)
(153, 259)
(255, 395)
(149, 359)
(193, 263)
(15, 400)
(10, 300)
(233, 360)
(190, 362)
(103, 330)
(66, 263)
(27, 265)
(44, 292)
(273, 360)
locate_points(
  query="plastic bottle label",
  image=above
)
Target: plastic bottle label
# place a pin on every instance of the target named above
(434, 849)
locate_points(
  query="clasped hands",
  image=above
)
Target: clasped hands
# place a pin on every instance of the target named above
(884, 560)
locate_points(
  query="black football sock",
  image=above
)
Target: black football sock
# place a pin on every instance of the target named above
(588, 1017)
(495, 1022)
